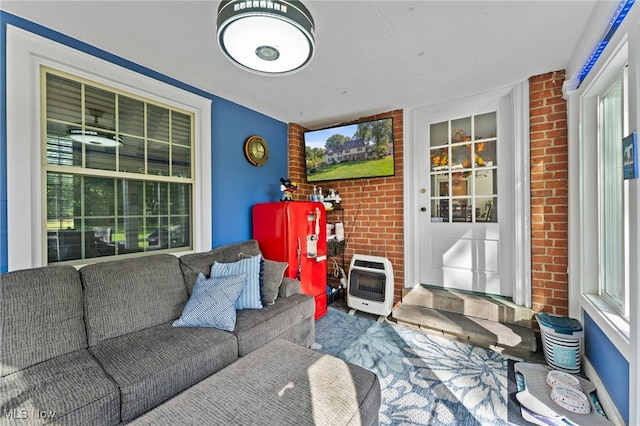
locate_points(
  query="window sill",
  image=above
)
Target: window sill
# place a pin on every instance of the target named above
(614, 325)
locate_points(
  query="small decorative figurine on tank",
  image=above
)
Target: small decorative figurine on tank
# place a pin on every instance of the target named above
(288, 188)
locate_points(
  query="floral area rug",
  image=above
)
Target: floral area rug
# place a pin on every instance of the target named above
(425, 379)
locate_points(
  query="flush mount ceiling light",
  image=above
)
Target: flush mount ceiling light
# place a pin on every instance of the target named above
(268, 37)
(95, 137)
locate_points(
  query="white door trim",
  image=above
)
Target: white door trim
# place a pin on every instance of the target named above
(521, 271)
(522, 196)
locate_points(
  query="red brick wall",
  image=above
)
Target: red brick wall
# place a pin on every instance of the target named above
(378, 228)
(549, 194)
(373, 207)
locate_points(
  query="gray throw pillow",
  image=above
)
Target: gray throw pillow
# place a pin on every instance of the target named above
(272, 273)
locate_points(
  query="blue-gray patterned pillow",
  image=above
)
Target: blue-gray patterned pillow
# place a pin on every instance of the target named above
(212, 303)
(250, 296)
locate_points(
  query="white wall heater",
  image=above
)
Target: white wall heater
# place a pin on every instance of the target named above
(370, 285)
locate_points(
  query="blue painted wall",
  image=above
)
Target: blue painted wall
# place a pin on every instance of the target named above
(236, 184)
(611, 366)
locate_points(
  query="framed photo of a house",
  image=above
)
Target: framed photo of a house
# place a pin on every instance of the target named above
(350, 151)
(630, 156)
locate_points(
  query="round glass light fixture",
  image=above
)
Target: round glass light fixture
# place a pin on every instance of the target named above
(93, 137)
(267, 37)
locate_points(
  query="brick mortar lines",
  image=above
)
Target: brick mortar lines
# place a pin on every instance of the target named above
(377, 202)
(549, 197)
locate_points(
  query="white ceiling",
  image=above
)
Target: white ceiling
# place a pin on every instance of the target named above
(372, 56)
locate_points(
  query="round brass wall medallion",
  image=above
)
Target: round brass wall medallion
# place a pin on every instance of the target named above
(256, 150)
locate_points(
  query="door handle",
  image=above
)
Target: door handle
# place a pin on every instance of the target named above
(423, 209)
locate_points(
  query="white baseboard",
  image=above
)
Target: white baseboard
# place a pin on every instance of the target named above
(604, 398)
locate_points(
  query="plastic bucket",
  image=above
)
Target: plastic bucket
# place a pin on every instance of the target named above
(561, 342)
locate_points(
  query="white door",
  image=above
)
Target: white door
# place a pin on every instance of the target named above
(467, 196)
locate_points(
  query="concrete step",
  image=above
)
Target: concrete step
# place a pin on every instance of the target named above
(488, 307)
(508, 339)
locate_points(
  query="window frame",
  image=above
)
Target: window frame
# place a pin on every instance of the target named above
(474, 200)
(84, 169)
(606, 315)
(26, 53)
(605, 175)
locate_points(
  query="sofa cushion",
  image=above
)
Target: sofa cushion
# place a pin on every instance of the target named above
(41, 316)
(289, 287)
(128, 295)
(152, 365)
(279, 384)
(212, 303)
(71, 389)
(250, 295)
(289, 318)
(195, 263)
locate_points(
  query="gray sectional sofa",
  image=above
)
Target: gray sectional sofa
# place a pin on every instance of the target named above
(96, 346)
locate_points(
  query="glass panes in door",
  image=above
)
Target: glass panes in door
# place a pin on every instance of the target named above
(464, 169)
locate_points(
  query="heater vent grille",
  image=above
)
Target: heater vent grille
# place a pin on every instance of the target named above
(367, 284)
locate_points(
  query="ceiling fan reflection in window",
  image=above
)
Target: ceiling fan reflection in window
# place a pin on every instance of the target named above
(101, 137)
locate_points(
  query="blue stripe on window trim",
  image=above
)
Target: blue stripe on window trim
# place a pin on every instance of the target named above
(617, 18)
